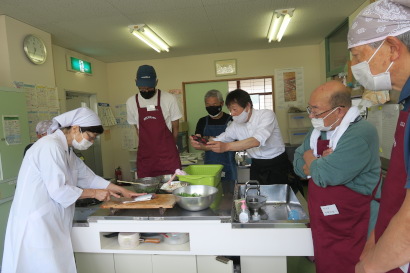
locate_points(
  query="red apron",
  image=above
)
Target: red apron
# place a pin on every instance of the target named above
(393, 191)
(157, 152)
(338, 239)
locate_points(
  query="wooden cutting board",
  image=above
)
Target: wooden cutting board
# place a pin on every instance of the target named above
(161, 201)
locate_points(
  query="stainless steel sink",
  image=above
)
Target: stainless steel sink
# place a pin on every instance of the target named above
(283, 208)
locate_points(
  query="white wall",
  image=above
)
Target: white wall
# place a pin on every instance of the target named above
(16, 65)
(95, 84)
(4, 54)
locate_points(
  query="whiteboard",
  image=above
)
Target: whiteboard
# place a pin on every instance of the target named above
(384, 118)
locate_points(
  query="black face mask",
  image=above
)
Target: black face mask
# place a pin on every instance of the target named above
(147, 94)
(213, 110)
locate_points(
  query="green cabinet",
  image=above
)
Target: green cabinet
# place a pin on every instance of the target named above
(14, 137)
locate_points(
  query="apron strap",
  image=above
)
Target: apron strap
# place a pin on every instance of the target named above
(374, 192)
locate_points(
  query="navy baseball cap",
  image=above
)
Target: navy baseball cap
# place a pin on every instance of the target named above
(146, 76)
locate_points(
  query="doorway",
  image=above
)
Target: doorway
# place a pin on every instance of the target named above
(91, 156)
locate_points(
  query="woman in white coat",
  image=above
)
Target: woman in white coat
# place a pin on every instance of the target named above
(50, 180)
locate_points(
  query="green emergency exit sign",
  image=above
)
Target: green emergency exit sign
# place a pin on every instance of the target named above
(81, 66)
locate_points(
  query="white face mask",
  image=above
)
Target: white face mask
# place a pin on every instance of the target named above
(83, 145)
(362, 74)
(319, 123)
(242, 118)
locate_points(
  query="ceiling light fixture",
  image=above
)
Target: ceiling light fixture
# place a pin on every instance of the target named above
(279, 23)
(145, 34)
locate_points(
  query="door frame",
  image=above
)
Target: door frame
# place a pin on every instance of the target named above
(97, 142)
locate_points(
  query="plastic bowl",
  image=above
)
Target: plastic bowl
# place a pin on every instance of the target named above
(176, 185)
(207, 196)
(166, 177)
(148, 184)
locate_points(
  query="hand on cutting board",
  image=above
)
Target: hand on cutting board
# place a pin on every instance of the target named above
(104, 195)
(118, 191)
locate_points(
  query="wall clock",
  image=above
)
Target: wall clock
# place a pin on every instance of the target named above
(35, 49)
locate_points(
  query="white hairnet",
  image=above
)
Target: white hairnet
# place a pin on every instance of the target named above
(83, 117)
(378, 20)
(43, 126)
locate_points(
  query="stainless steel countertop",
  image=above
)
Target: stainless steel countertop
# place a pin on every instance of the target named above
(221, 212)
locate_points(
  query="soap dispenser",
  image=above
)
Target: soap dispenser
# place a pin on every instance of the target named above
(244, 215)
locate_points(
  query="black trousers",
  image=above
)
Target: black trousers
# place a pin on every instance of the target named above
(270, 171)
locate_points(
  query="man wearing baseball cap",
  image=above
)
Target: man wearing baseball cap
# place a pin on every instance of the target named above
(155, 115)
(379, 41)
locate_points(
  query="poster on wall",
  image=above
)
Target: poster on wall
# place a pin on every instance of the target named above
(12, 130)
(289, 88)
(180, 99)
(42, 104)
(129, 139)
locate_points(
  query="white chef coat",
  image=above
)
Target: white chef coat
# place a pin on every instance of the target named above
(169, 106)
(263, 125)
(38, 230)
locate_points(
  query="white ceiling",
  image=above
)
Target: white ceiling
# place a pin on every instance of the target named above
(99, 28)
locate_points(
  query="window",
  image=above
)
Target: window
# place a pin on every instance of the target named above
(337, 54)
(260, 90)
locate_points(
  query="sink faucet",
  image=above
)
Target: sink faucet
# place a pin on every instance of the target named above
(251, 185)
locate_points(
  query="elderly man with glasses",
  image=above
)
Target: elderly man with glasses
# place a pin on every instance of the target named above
(340, 156)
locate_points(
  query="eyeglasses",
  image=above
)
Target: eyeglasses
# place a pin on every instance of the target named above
(311, 112)
(90, 137)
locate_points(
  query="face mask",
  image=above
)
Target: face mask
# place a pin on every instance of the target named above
(241, 118)
(147, 94)
(214, 111)
(319, 123)
(83, 145)
(362, 74)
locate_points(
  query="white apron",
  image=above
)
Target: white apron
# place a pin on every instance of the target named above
(38, 230)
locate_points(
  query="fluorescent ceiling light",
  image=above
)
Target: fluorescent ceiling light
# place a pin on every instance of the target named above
(280, 21)
(145, 34)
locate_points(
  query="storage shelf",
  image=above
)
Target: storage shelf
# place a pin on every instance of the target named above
(112, 244)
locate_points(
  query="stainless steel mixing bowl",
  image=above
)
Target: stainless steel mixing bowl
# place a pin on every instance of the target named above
(207, 196)
(148, 184)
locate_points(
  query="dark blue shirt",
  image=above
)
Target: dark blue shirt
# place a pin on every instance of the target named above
(405, 100)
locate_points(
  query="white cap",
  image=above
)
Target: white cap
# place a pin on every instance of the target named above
(83, 117)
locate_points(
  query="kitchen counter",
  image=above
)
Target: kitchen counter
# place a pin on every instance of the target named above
(221, 213)
(210, 233)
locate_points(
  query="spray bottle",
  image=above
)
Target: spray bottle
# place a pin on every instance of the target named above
(244, 215)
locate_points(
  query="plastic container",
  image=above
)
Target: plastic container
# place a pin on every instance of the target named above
(209, 174)
(176, 238)
(298, 120)
(296, 136)
(293, 215)
(128, 240)
(244, 215)
(148, 184)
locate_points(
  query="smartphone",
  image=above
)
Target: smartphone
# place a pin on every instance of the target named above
(200, 139)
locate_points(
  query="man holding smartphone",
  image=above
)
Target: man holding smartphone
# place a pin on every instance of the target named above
(211, 126)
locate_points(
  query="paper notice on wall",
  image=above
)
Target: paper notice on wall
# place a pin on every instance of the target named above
(106, 115)
(12, 130)
(289, 88)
